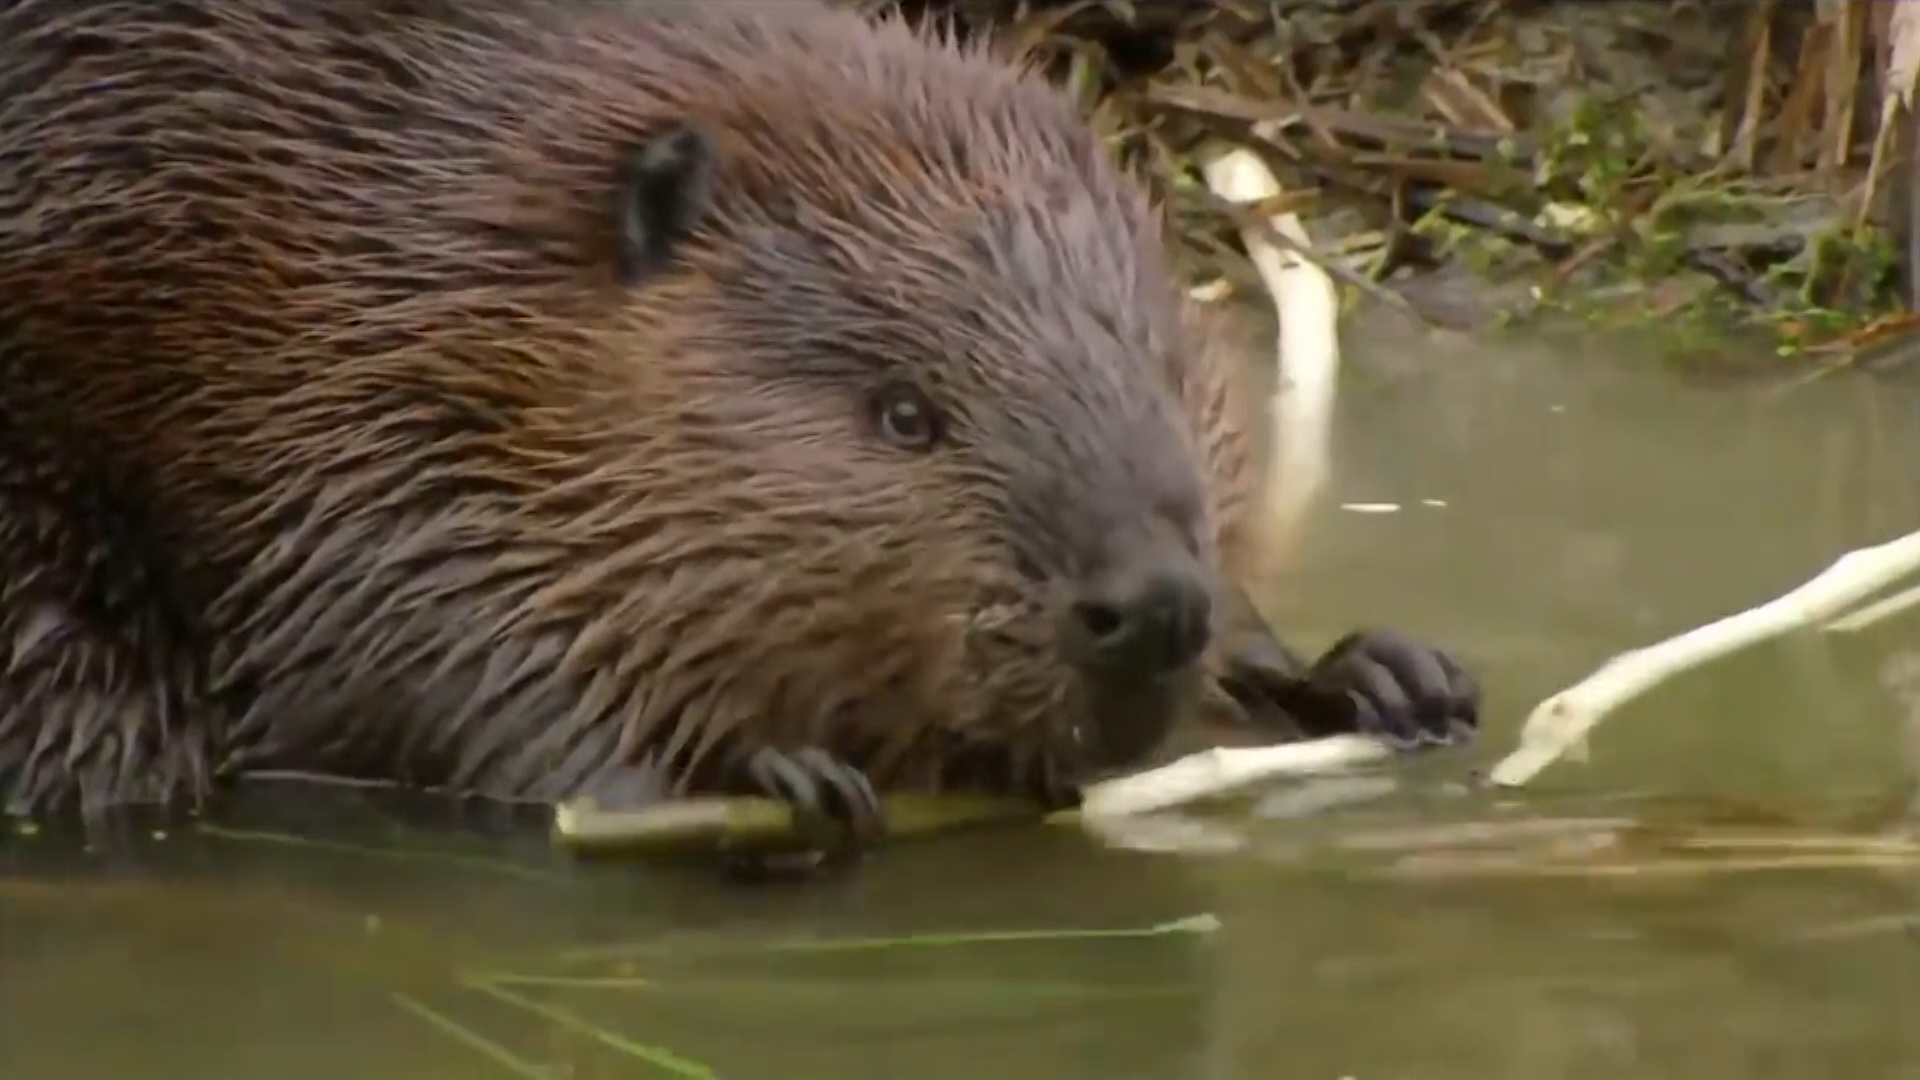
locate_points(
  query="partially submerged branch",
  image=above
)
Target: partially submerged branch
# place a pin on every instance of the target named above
(1221, 770)
(729, 823)
(1560, 724)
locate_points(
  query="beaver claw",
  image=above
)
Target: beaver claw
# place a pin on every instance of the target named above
(1373, 682)
(820, 788)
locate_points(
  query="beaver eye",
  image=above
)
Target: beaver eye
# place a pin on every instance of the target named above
(905, 417)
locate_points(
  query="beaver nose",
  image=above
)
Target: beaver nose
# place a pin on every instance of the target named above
(1144, 621)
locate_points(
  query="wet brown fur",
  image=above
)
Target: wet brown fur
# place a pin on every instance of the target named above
(329, 438)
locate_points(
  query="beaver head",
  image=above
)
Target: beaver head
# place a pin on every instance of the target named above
(536, 387)
(930, 309)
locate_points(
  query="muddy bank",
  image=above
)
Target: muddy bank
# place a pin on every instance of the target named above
(1716, 163)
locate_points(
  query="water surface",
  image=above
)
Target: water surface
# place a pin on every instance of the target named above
(1560, 500)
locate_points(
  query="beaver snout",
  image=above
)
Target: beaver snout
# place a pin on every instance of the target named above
(1140, 621)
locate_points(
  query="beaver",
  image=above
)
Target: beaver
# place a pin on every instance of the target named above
(533, 399)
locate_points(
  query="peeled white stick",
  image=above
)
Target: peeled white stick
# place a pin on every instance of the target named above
(1223, 769)
(1308, 350)
(1560, 723)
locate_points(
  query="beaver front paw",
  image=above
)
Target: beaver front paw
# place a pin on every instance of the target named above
(827, 794)
(1371, 682)
(1385, 684)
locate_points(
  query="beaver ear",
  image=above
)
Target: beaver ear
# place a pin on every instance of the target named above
(663, 186)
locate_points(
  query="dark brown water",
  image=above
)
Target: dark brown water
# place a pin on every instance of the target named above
(1590, 503)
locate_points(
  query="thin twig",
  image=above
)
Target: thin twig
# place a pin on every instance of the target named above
(469, 1038)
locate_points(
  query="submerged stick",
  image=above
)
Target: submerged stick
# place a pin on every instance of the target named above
(468, 1037)
(1561, 722)
(659, 1057)
(728, 945)
(583, 827)
(1307, 355)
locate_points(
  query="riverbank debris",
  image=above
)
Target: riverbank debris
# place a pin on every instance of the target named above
(1578, 150)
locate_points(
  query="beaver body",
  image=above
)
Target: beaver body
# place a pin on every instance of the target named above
(521, 397)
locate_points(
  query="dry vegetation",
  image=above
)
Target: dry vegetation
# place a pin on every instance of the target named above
(1744, 158)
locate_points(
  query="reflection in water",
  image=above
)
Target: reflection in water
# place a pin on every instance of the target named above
(1557, 504)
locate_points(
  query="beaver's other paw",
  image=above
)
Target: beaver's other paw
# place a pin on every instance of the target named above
(1383, 683)
(1375, 682)
(824, 792)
